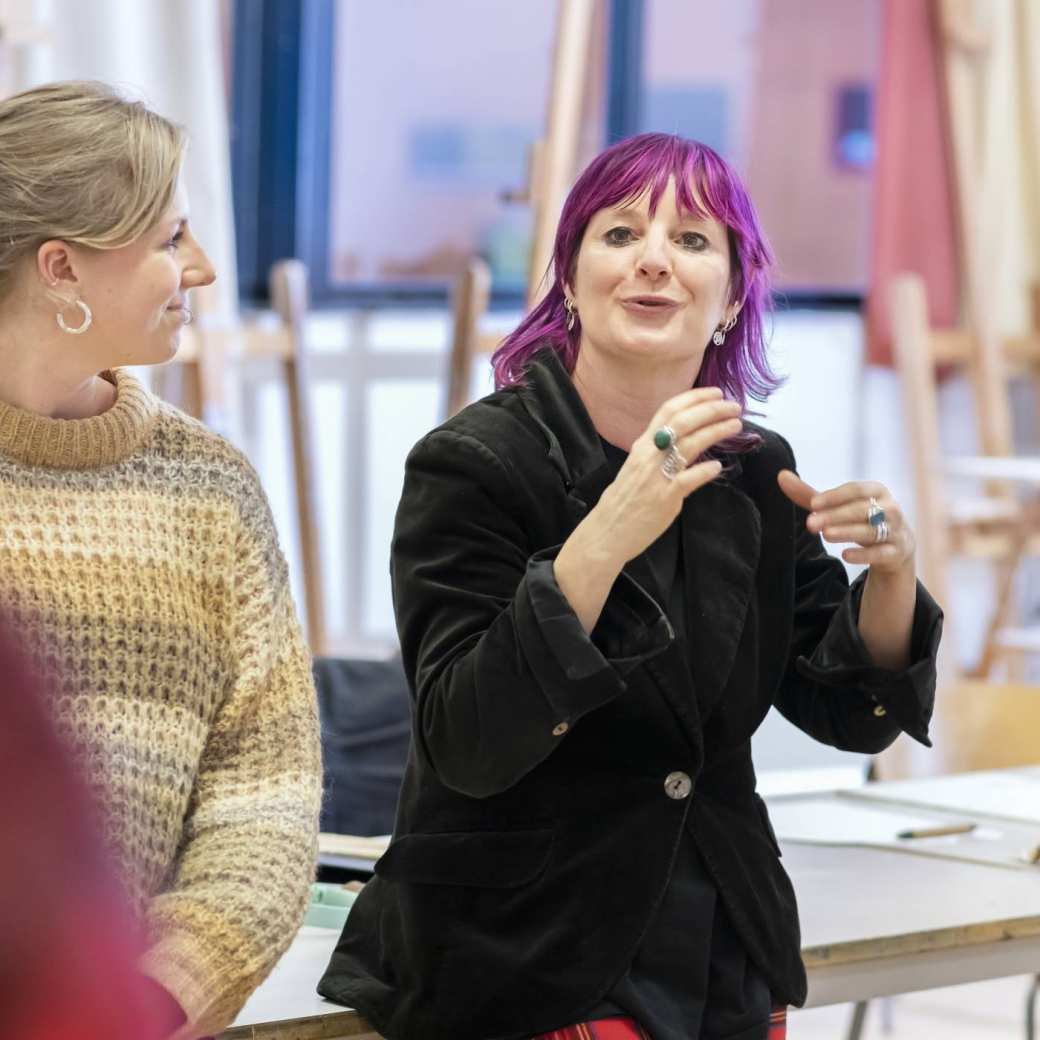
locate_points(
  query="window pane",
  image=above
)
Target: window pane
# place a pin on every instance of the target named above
(783, 89)
(429, 130)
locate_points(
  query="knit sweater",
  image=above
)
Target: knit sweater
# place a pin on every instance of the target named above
(140, 566)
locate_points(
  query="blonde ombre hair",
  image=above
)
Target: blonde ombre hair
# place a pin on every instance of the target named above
(81, 163)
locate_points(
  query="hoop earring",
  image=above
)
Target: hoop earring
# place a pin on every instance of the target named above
(572, 313)
(88, 318)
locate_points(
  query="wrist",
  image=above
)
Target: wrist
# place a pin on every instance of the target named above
(904, 574)
(593, 543)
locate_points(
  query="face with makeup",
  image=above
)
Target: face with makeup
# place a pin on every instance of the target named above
(137, 293)
(652, 286)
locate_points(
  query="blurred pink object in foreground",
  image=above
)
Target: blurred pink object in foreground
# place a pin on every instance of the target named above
(68, 951)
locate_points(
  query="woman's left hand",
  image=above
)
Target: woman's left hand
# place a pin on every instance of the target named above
(842, 514)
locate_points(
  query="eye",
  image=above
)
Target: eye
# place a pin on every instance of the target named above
(693, 240)
(174, 242)
(619, 236)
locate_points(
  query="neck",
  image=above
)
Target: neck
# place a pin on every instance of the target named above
(622, 395)
(47, 375)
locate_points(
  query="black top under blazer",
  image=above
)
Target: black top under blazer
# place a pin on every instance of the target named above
(535, 835)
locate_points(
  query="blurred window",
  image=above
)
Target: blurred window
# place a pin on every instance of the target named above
(434, 110)
(782, 89)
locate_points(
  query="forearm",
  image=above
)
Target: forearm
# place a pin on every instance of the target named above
(886, 616)
(586, 569)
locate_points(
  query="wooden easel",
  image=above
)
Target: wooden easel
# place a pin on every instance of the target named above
(553, 164)
(966, 46)
(207, 347)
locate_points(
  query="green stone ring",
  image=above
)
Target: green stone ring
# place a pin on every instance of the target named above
(664, 438)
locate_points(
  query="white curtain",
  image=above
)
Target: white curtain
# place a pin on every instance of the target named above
(170, 54)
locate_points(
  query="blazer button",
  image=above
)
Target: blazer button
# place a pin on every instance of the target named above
(879, 711)
(678, 786)
(560, 728)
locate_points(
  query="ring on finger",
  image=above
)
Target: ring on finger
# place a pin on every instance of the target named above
(875, 516)
(664, 439)
(674, 463)
(880, 531)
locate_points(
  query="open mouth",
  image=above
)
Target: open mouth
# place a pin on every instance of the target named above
(650, 304)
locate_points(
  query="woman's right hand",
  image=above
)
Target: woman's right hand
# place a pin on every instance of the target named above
(641, 502)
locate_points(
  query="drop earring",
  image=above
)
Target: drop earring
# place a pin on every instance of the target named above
(719, 336)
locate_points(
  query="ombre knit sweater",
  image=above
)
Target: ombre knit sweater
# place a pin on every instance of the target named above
(140, 566)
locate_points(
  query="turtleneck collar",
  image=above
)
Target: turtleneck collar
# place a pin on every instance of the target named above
(101, 440)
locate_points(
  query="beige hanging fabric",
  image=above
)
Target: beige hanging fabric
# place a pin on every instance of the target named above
(993, 81)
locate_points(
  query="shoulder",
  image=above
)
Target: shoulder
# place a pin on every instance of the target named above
(495, 433)
(772, 454)
(194, 460)
(760, 466)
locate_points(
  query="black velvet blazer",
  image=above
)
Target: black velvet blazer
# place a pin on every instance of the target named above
(535, 831)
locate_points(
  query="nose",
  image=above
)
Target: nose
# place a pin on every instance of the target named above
(653, 261)
(199, 271)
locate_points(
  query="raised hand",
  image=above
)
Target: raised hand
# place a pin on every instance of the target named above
(648, 492)
(862, 512)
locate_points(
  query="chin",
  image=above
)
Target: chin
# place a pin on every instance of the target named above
(157, 353)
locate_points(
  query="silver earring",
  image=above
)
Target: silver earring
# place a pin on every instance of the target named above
(572, 313)
(88, 317)
(720, 333)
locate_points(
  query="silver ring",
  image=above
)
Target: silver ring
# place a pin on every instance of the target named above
(880, 531)
(674, 463)
(875, 514)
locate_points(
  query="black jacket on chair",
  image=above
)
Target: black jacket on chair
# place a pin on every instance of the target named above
(535, 832)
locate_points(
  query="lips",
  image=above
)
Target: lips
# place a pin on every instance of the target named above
(649, 304)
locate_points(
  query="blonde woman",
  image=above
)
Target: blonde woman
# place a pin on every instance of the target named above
(138, 559)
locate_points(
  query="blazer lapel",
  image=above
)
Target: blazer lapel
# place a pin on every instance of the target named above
(721, 537)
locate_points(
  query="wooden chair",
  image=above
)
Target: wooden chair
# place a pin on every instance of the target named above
(999, 524)
(208, 348)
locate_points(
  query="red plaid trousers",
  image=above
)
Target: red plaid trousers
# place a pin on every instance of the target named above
(629, 1029)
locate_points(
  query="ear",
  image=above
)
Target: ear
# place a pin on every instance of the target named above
(732, 313)
(56, 265)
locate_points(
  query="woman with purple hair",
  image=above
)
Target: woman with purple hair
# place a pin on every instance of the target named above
(604, 577)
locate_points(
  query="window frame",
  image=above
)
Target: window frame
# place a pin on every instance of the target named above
(281, 152)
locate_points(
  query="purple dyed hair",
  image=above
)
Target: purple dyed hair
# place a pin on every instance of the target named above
(704, 182)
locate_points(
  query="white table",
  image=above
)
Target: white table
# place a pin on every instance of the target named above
(877, 919)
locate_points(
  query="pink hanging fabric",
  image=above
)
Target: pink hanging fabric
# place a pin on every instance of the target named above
(914, 225)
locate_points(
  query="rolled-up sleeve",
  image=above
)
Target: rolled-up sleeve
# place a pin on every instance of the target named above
(832, 689)
(631, 629)
(841, 660)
